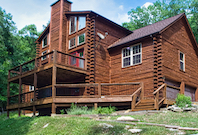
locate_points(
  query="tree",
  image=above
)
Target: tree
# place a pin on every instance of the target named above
(160, 10)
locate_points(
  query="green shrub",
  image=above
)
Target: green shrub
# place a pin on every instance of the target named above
(182, 101)
(62, 111)
(105, 110)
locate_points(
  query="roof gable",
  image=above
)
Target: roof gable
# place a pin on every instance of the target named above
(148, 30)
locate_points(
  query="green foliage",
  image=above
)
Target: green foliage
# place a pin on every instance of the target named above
(16, 47)
(105, 110)
(162, 9)
(62, 111)
(78, 110)
(182, 101)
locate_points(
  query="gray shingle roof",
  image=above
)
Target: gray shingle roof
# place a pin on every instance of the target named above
(147, 30)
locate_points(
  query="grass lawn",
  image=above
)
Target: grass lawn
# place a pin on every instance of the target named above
(86, 126)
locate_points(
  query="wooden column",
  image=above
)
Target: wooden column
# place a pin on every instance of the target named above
(95, 106)
(19, 97)
(182, 87)
(35, 88)
(133, 102)
(8, 97)
(99, 90)
(196, 95)
(142, 92)
(54, 70)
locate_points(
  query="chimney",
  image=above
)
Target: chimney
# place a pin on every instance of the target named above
(58, 25)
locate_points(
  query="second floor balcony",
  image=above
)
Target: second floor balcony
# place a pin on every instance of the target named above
(70, 68)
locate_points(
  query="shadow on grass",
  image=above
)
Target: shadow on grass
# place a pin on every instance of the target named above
(116, 130)
(14, 125)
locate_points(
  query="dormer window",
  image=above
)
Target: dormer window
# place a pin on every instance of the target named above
(44, 42)
(77, 23)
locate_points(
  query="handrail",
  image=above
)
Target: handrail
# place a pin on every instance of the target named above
(174, 87)
(129, 83)
(159, 89)
(71, 55)
(136, 91)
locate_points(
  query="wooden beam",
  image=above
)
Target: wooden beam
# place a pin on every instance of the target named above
(99, 90)
(174, 87)
(182, 87)
(8, 98)
(95, 106)
(76, 85)
(54, 72)
(35, 89)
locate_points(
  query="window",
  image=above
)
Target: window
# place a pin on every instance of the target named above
(132, 55)
(81, 39)
(76, 61)
(72, 43)
(44, 42)
(182, 61)
(31, 87)
(81, 22)
(73, 21)
(44, 57)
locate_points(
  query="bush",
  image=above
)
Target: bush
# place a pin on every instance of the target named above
(62, 111)
(78, 110)
(182, 100)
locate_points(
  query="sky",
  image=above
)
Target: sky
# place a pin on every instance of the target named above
(26, 12)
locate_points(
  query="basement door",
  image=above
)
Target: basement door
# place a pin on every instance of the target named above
(171, 93)
(190, 91)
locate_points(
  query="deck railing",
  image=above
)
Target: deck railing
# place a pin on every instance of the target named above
(95, 90)
(48, 58)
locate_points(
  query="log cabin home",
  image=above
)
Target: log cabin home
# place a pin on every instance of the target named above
(84, 58)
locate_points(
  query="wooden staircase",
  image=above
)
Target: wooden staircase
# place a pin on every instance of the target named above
(139, 102)
(145, 104)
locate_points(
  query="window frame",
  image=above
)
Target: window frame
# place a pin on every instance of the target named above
(31, 88)
(74, 42)
(79, 40)
(183, 61)
(43, 41)
(44, 56)
(76, 20)
(131, 55)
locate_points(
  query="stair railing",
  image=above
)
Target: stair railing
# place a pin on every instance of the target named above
(135, 96)
(156, 95)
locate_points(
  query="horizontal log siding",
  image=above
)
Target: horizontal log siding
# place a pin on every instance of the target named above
(178, 38)
(139, 73)
(102, 57)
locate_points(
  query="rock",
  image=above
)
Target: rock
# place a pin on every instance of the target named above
(173, 129)
(187, 109)
(181, 133)
(194, 110)
(114, 114)
(127, 111)
(177, 109)
(127, 127)
(133, 131)
(105, 125)
(126, 118)
(46, 125)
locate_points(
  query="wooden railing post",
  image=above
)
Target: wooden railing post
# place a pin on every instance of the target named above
(99, 90)
(19, 96)
(8, 97)
(54, 56)
(133, 102)
(164, 92)
(157, 101)
(35, 63)
(35, 88)
(142, 91)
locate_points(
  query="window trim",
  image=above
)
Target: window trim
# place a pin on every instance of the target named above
(182, 61)
(43, 41)
(131, 55)
(84, 39)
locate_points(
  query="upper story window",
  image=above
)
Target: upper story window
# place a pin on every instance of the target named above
(44, 42)
(81, 39)
(72, 43)
(73, 21)
(182, 61)
(81, 22)
(77, 23)
(132, 55)
(43, 53)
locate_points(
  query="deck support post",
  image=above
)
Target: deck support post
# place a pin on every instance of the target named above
(8, 98)
(133, 102)
(156, 101)
(35, 88)
(95, 106)
(99, 90)
(54, 71)
(182, 87)
(19, 97)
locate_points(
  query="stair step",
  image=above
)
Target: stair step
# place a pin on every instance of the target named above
(143, 109)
